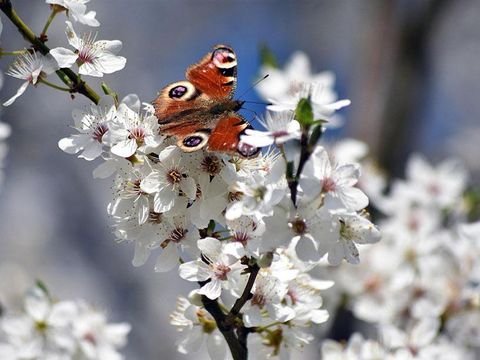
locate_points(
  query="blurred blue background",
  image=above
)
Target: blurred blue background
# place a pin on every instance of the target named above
(409, 67)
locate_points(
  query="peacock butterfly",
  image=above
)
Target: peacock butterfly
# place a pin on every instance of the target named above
(200, 112)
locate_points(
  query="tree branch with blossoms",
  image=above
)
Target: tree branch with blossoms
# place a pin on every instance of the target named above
(246, 230)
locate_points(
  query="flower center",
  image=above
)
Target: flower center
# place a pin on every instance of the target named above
(298, 226)
(99, 131)
(328, 185)
(235, 196)
(346, 231)
(259, 300)
(89, 337)
(220, 271)
(174, 176)
(293, 296)
(259, 193)
(208, 324)
(132, 188)
(177, 235)
(242, 237)
(211, 165)
(88, 51)
(295, 87)
(154, 217)
(138, 134)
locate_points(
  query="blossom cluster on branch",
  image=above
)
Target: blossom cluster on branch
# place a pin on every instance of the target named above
(419, 286)
(253, 234)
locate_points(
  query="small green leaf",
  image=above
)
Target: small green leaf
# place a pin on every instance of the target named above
(304, 113)
(41, 285)
(472, 202)
(267, 58)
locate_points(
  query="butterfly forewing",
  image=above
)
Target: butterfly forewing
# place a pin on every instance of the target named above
(216, 74)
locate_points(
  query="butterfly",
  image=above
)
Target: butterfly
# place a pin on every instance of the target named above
(200, 112)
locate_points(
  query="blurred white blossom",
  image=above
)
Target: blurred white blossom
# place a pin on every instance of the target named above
(59, 330)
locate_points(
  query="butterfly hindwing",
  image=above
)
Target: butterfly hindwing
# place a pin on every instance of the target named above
(226, 136)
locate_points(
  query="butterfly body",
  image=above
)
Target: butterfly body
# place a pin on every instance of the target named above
(200, 112)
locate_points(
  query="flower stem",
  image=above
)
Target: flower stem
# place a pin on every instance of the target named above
(52, 85)
(49, 21)
(305, 153)
(14, 53)
(66, 75)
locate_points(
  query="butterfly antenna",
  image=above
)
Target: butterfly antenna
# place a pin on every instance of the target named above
(254, 84)
(258, 102)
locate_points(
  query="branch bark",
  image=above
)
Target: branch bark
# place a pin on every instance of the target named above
(231, 325)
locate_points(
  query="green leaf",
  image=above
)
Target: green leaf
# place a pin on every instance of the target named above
(304, 113)
(267, 58)
(472, 202)
(41, 285)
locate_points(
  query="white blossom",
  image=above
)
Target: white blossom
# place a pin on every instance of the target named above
(59, 330)
(30, 67)
(197, 326)
(221, 263)
(281, 127)
(335, 182)
(92, 125)
(132, 130)
(94, 58)
(78, 10)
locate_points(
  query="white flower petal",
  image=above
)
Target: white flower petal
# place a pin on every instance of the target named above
(124, 148)
(65, 57)
(212, 289)
(194, 271)
(109, 63)
(211, 247)
(72, 37)
(168, 259)
(19, 92)
(216, 346)
(92, 151)
(189, 187)
(142, 252)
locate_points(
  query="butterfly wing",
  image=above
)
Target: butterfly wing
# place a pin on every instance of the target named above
(216, 74)
(212, 79)
(226, 136)
(200, 111)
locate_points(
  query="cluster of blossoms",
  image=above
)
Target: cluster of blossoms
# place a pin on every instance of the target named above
(249, 231)
(47, 329)
(218, 218)
(420, 284)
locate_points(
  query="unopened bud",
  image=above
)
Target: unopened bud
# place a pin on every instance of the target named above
(265, 260)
